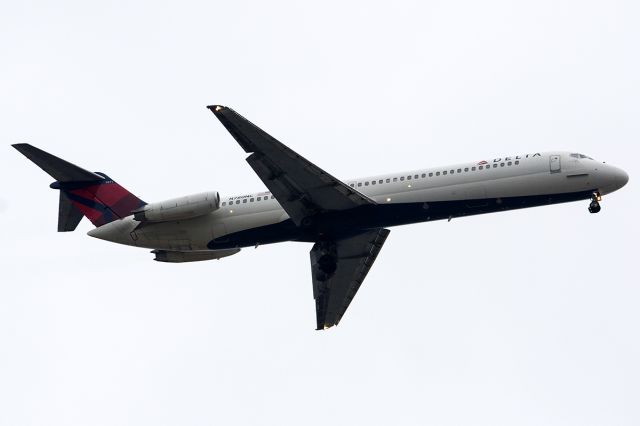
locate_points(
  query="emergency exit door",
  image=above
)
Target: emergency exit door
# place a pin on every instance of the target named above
(554, 163)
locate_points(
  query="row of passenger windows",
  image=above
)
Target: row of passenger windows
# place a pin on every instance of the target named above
(395, 179)
(444, 173)
(249, 200)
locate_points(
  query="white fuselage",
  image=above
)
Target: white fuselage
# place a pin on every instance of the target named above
(529, 175)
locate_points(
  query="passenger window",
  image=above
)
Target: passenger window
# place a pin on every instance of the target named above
(416, 177)
(388, 180)
(366, 183)
(473, 169)
(509, 163)
(237, 201)
(380, 181)
(437, 173)
(259, 198)
(430, 174)
(501, 164)
(351, 185)
(452, 171)
(244, 201)
(480, 168)
(459, 170)
(517, 162)
(424, 175)
(224, 203)
(395, 179)
(444, 173)
(495, 165)
(401, 178)
(408, 177)
(251, 200)
(373, 182)
(466, 169)
(359, 183)
(272, 197)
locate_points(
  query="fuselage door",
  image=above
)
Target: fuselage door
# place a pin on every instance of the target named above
(554, 163)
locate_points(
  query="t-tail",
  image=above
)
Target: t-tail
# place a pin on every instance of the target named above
(82, 193)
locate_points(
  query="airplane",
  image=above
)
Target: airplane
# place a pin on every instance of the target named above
(346, 220)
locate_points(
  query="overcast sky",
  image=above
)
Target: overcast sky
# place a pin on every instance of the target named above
(527, 317)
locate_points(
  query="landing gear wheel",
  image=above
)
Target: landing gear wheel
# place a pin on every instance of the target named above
(594, 207)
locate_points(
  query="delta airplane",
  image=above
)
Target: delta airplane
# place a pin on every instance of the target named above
(346, 220)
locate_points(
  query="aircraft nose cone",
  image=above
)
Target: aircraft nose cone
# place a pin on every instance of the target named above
(622, 177)
(613, 179)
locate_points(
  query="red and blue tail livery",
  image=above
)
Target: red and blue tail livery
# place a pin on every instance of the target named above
(82, 193)
(100, 201)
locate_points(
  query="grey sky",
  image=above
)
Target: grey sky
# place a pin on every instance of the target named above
(527, 317)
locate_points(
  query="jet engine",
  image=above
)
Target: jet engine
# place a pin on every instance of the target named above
(192, 256)
(181, 208)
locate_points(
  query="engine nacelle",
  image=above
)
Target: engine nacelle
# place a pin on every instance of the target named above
(192, 256)
(179, 208)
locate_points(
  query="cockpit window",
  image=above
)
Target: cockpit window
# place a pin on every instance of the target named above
(576, 155)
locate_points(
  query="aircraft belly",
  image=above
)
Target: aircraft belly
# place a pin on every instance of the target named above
(394, 214)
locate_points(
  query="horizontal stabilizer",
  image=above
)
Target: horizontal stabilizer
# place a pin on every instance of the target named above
(59, 169)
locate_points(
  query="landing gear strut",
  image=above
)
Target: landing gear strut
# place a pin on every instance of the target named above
(594, 206)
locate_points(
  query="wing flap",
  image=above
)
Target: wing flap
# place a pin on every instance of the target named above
(338, 269)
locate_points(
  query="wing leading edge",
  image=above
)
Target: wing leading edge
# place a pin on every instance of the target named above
(302, 188)
(338, 268)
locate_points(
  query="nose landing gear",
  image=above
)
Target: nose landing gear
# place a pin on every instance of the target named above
(594, 206)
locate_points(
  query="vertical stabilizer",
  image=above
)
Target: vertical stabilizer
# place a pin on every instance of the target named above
(68, 215)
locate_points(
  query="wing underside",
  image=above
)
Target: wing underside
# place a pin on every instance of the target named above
(338, 268)
(302, 188)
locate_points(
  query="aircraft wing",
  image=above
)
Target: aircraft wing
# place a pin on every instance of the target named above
(338, 268)
(302, 188)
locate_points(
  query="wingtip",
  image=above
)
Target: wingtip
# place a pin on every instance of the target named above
(325, 327)
(21, 147)
(215, 108)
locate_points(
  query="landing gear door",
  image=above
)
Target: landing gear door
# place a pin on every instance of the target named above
(554, 163)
